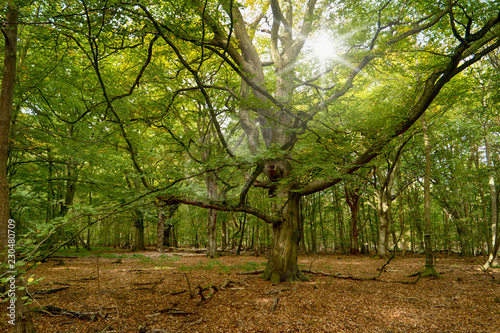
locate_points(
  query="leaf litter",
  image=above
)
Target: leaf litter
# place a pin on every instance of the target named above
(190, 293)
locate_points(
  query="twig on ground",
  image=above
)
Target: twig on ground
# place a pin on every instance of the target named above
(49, 291)
(189, 286)
(173, 311)
(199, 321)
(55, 311)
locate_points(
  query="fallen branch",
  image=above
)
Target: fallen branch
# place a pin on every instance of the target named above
(201, 289)
(55, 311)
(200, 292)
(199, 321)
(175, 312)
(50, 291)
(348, 277)
(338, 276)
(260, 271)
(227, 284)
(84, 279)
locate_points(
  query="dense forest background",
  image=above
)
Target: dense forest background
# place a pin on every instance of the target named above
(252, 125)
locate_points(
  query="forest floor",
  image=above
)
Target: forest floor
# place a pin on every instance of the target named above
(148, 292)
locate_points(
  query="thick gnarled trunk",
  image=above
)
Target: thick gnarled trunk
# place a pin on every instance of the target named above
(282, 265)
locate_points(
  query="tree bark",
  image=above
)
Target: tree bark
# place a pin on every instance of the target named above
(24, 322)
(429, 257)
(211, 184)
(352, 199)
(160, 231)
(139, 244)
(282, 265)
(384, 215)
(495, 243)
(6, 101)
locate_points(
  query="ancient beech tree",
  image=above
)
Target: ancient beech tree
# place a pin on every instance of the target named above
(273, 120)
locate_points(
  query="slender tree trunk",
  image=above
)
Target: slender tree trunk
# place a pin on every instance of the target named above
(175, 235)
(238, 251)
(303, 241)
(352, 198)
(160, 231)
(384, 211)
(322, 224)
(372, 228)
(495, 232)
(312, 225)
(211, 218)
(70, 189)
(340, 224)
(429, 257)
(402, 226)
(224, 233)
(446, 228)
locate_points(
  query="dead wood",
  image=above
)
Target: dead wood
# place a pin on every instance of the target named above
(227, 284)
(175, 312)
(260, 271)
(55, 311)
(275, 304)
(200, 292)
(224, 284)
(84, 279)
(49, 291)
(199, 321)
(189, 286)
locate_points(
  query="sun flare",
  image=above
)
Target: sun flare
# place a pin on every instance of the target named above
(324, 46)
